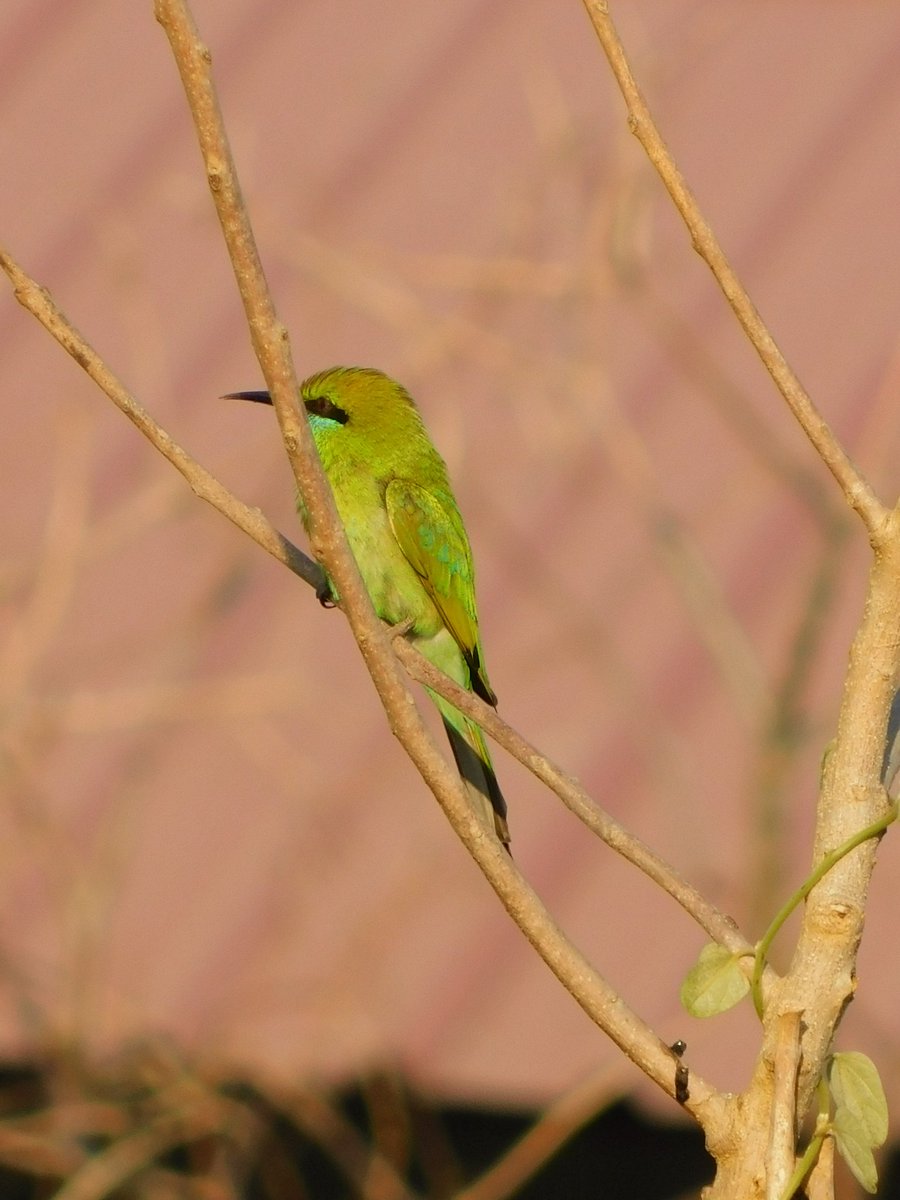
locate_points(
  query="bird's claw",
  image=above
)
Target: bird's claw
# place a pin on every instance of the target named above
(324, 595)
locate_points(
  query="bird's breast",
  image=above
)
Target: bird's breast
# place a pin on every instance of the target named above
(396, 591)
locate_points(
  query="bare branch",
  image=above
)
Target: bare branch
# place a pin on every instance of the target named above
(820, 1184)
(783, 1126)
(371, 1175)
(40, 304)
(856, 489)
(720, 927)
(822, 977)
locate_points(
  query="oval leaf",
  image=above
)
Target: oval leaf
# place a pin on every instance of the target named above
(855, 1148)
(715, 983)
(856, 1087)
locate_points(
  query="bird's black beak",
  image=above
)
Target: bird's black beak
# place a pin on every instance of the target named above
(256, 397)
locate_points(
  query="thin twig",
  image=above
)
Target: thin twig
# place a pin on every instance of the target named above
(787, 724)
(558, 1124)
(720, 927)
(39, 303)
(856, 489)
(272, 348)
(369, 1173)
(191, 1113)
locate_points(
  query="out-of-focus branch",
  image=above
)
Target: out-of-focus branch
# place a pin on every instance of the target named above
(371, 1175)
(558, 1124)
(189, 1112)
(856, 489)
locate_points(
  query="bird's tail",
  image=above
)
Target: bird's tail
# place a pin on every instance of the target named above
(473, 761)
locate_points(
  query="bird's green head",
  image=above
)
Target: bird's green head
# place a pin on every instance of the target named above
(358, 412)
(361, 398)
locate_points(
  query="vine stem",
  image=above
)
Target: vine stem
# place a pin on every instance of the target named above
(762, 950)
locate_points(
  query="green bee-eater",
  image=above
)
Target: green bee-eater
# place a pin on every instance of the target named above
(394, 499)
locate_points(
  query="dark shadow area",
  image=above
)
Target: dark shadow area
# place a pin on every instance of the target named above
(153, 1129)
(165, 1133)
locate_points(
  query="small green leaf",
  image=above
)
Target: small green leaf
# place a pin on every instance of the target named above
(855, 1148)
(715, 983)
(856, 1087)
(860, 1120)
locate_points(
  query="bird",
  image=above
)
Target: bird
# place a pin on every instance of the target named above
(404, 527)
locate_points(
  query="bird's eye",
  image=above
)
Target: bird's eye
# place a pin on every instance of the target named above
(321, 406)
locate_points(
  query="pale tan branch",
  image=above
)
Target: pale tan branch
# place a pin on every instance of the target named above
(39, 303)
(720, 927)
(783, 1125)
(857, 491)
(820, 1184)
(822, 976)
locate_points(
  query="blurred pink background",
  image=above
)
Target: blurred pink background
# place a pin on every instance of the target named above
(208, 833)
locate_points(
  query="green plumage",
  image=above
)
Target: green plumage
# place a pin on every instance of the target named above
(394, 499)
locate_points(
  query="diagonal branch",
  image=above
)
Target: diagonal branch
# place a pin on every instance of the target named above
(40, 304)
(717, 924)
(856, 489)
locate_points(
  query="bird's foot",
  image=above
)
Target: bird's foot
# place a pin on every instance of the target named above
(325, 595)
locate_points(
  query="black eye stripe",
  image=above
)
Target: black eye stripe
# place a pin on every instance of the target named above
(321, 406)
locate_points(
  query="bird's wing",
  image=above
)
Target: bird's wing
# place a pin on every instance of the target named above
(430, 532)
